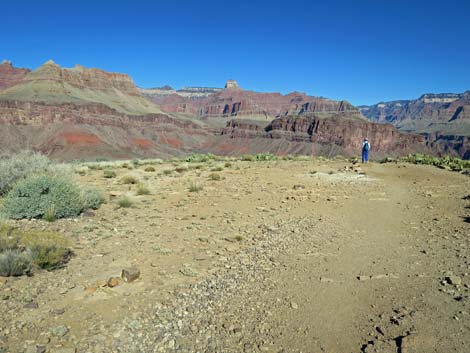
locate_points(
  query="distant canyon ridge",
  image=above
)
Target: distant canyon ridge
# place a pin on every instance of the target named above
(83, 113)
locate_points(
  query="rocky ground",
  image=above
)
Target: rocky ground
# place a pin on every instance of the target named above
(282, 256)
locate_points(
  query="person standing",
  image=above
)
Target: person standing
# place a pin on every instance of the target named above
(365, 150)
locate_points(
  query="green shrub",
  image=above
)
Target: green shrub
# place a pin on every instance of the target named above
(142, 190)
(150, 169)
(248, 158)
(125, 202)
(45, 250)
(15, 263)
(195, 188)
(167, 171)
(200, 158)
(129, 179)
(109, 173)
(33, 197)
(91, 198)
(215, 177)
(265, 157)
(228, 164)
(18, 166)
(50, 215)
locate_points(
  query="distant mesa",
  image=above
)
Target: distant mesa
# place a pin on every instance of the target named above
(232, 84)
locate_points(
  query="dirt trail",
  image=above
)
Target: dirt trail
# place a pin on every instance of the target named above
(276, 257)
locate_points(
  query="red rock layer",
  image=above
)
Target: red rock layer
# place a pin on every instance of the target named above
(10, 76)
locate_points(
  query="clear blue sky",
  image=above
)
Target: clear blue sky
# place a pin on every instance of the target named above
(362, 51)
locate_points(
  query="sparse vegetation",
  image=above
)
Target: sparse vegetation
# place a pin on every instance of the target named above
(91, 198)
(200, 158)
(21, 251)
(35, 195)
(109, 173)
(142, 190)
(195, 187)
(447, 162)
(181, 169)
(18, 166)
(150, 169)
(215, 177)
(217, 169)
(129, 179)
(167, 172)
(125, 202)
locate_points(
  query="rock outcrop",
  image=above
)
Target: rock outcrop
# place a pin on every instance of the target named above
(443, 113)
(338, 131)
(443, 118)
(264, 106)
(85, 113)
(10, 76)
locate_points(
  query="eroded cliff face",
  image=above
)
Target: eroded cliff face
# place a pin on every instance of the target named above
(340, 131)
(82, 77)
(431, 113)
(233, 102)
(10, 76)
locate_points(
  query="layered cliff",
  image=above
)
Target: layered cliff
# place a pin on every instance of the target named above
(55, 85)
(443, 113)
(236, 102)
(10, 76)
(339, 133)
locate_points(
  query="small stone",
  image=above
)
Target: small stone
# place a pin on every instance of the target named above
(58, 312)
(454, 280)
(326, 280)
(363, 278)
(31, 306)
(114, 282)
(41, 349)
(294, 305)
(60, 331)
(130, 274)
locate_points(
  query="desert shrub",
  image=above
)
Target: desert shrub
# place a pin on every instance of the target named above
(18, 166)
(228, 164)
(142, 190)
(135, 162)
(129, 179)
(26, 249)
(215, 177)
(34, 195)
(181, 169)
(195, 187)
(125, 202)
(200, 158)
(101, 159)
(265, 157)
(150, 169)
(217, 169)
(109, 173)
(50, 215)
(15, 263)
(354, 160)
(447, 162)
(47, 249)
(167, 171)
(248, 158)
(91, 198)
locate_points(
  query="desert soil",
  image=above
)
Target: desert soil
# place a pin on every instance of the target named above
(282, 256)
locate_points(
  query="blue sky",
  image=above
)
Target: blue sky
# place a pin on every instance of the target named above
(362, 51)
